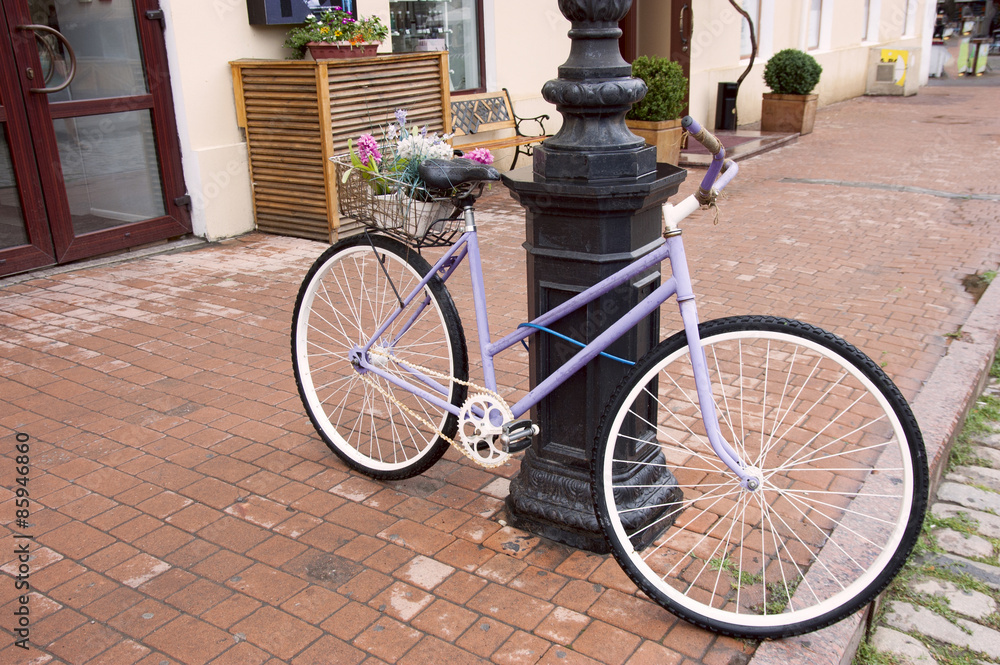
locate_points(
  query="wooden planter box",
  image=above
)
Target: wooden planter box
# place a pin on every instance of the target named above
(664, 135)
(298, 113)
(788, 113)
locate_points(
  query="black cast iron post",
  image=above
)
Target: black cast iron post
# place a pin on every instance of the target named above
(592, 201)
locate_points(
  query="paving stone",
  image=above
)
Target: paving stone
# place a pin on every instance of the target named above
(909, 650)
(991, 440)
(990, 454)
(987, 574)
(964, 544)
(979, 475)
(972, 604)
(907, 618)
(970, 497)
(988, 525)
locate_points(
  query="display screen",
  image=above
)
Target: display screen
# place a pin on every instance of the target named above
(277, 12)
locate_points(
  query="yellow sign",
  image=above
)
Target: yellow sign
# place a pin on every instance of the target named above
(898, 57)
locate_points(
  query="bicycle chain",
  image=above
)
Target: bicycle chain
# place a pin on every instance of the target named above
(460, 447)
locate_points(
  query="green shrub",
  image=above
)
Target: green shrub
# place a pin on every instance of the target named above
(792, 72)
(667, 89)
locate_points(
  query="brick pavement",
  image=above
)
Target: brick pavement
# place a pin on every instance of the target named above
(185, 512)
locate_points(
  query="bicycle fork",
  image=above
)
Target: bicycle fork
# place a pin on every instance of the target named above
(750, 477)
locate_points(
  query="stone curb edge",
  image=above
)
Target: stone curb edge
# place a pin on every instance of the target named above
(940, 408)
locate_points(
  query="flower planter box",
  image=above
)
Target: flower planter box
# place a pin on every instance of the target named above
(324, 51)
(664, 135)
(297, 114)
(788, 113)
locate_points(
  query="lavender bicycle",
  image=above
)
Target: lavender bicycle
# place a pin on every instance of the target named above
(757, 476)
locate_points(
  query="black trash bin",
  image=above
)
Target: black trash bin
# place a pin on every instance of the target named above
(725, 106)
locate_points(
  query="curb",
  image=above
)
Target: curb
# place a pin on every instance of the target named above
(940, 409)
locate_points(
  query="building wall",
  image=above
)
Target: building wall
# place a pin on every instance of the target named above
(842, 52)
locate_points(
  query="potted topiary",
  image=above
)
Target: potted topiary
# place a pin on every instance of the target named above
(789, 107)
(656, 117)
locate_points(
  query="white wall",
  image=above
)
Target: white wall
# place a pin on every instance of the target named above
(202, 38)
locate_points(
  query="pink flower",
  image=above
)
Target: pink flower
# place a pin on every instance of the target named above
(481, 155)
(368, 148)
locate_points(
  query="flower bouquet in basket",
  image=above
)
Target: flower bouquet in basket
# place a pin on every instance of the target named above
(381, 184)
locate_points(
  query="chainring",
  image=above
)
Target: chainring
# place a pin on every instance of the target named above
(481, 422)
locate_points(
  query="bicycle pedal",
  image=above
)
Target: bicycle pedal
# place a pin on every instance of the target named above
(517, 434)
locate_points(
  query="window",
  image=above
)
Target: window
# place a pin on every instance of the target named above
(873, 11)
(815, 22)
(751, 7)
(438, 25)
(910, 20)
(865, 19)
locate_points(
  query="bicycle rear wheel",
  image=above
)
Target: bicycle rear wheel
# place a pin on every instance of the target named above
(375, 427)
(843, 468)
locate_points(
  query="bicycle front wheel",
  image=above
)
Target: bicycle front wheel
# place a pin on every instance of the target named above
(376, 427)
(842, 467)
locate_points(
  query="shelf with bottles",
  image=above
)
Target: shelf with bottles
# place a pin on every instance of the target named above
(419, 25)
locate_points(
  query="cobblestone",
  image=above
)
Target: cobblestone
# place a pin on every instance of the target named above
(963, 544)
(960, 632)
(910, 649)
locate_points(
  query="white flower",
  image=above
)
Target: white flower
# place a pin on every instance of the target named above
(423, 147)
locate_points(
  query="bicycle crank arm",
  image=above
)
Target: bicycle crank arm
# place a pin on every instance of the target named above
(517, 434)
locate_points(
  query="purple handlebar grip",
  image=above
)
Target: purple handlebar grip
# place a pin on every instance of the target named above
(712, 144)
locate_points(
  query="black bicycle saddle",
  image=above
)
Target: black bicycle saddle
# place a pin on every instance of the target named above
(447, 174)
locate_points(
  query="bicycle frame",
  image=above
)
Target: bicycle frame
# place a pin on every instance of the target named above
(678, 284)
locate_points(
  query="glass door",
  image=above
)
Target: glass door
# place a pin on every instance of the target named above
(91, 78)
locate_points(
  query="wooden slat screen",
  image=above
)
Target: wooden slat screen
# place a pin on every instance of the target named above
(296, 114)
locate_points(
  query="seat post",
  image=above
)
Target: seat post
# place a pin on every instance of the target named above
(469, 212)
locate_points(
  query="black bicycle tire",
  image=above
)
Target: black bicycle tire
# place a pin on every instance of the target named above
(867, 367)
(453, 328)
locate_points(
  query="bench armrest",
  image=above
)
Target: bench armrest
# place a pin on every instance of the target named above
(518, 119)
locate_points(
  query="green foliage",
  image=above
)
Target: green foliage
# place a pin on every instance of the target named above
(792, 72)
(333, 27)
(667, 89)
(868, 655)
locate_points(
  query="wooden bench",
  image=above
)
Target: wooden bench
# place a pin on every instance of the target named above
(475, 114)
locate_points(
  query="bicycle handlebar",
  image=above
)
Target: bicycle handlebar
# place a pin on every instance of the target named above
(714, 146)
(720, 173)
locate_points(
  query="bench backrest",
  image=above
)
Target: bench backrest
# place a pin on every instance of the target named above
(482, 112)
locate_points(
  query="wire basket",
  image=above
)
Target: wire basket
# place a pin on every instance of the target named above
(426, 223)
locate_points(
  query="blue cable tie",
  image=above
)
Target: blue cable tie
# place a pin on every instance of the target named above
(571, 341)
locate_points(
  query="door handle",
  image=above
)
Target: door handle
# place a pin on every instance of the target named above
(37, 27)
(684, 38)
